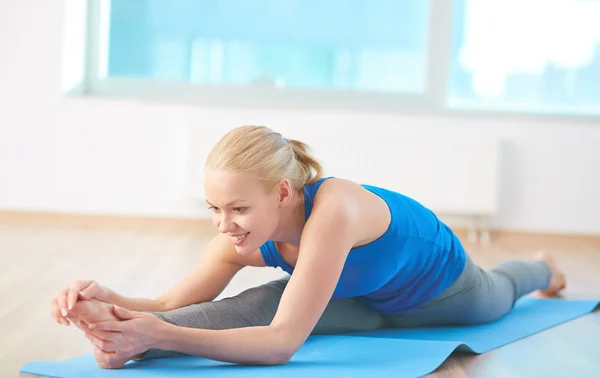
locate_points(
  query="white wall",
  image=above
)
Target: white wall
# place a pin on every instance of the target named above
(128, 157)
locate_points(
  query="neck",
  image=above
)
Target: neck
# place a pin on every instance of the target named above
(291, 222)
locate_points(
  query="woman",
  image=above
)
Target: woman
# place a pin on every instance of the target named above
(359, 257)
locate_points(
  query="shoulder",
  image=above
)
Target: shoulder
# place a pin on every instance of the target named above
(339, 192)
(365, 215)
(338, 198)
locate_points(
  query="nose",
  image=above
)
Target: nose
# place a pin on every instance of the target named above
(225, 224)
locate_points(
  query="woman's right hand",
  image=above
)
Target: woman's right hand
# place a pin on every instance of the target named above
(66, 299)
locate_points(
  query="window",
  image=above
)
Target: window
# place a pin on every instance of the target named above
(536, 55)
(435, 55)
(370, 45)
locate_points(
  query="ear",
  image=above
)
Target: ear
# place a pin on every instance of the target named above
(285, 192)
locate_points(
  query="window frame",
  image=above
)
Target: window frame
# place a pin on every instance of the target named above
(434, 101)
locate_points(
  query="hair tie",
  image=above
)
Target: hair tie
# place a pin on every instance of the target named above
(286, 141)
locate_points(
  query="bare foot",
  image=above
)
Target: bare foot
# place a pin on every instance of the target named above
(90, 311)
(558, 281)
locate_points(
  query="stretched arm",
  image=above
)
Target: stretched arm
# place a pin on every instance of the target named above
(219, 264)
(217, 267)
(327, 238)
(136, 304)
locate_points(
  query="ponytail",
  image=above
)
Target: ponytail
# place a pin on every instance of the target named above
(309, 168)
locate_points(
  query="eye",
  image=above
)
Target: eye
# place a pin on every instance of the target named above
(239, 209)
(213, 208)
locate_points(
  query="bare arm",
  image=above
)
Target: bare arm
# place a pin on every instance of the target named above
(218, 266)
(327, 238)
(136, 304)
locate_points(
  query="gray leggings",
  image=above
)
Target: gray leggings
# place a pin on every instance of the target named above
(476, 297)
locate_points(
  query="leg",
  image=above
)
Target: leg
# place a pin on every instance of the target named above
(257, 307)
(479, 297)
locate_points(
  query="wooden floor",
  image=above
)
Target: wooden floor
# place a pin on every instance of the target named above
(37, 260)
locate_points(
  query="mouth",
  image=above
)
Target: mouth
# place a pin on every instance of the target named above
(239, 239)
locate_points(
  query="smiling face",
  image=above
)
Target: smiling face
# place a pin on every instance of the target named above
(242, 208)
(254, 180)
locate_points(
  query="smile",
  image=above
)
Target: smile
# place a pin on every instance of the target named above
(239, 239)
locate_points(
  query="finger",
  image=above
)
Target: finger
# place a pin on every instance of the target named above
(54, 312)
(62, 321)
(90, 338)
(61, 302)
(80, 324)
(74, 290)
(107, 325)
(106, 335)
(59, 318)
(89, 291)
(93, 290)
(122, 313)
(106, 346)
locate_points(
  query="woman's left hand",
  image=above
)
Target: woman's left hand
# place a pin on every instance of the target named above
(134, 333)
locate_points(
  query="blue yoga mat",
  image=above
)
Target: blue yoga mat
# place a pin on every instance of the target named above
(386, 353)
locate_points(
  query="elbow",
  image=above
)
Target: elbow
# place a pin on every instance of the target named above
(283, 348)
(280, 354)
(279, 357)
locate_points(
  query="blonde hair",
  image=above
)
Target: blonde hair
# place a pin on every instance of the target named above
(267, 154)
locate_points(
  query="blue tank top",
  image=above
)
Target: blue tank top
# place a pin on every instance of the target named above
(413, 261)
